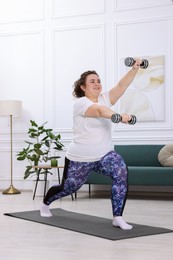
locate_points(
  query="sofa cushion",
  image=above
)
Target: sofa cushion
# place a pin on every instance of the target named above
(140, 155)
(165, 155)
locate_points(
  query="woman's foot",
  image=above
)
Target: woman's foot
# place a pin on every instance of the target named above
(45, 211)
(119, 222)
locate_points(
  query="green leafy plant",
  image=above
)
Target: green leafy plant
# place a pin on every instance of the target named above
(40, 149)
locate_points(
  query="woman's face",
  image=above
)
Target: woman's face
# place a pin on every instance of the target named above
(92, 87)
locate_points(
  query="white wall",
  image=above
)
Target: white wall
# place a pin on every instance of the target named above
(46, 44)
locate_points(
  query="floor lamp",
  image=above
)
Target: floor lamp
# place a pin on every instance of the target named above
(11, 108)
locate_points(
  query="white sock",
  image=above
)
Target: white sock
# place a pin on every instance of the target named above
(45, 211)
(119, 222)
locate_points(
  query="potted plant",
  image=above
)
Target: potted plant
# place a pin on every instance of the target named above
(40, 149)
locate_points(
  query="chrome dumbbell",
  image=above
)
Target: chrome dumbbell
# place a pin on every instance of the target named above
(116, 118)
(129, 61)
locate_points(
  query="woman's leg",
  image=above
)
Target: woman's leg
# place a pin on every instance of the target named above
(74, 176)
(113, 166)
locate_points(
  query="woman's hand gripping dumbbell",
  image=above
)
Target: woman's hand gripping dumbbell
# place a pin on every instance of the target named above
(117, 118)
(129, 61)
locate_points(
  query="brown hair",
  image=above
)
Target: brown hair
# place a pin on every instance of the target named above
(78, 92)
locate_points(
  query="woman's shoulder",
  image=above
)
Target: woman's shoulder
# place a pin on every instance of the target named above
(81, 105)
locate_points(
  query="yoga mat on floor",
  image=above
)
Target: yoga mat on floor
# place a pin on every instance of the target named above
(87, 224)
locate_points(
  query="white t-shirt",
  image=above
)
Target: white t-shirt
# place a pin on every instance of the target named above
(92, 136)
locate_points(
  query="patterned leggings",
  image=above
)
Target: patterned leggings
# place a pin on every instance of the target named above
(75, 174)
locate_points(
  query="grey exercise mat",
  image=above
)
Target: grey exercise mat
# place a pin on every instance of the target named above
(87, 224)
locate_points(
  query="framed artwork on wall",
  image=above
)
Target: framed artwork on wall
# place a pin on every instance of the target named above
(145, 97)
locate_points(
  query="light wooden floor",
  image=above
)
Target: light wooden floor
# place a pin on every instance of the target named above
(24, 240)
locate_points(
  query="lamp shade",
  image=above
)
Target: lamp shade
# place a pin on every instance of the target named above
(10, 107)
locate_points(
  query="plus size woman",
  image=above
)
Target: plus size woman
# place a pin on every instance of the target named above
(91, 148)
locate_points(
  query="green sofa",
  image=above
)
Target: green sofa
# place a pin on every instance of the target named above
(143, 165)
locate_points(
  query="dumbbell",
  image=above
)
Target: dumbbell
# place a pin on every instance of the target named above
(129, 61)
(117, 118)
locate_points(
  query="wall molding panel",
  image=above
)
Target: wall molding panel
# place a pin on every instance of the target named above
(68, 8)
(77, 51)
(144, 140)
(31, 64)
(121, 5)
(124, 32)
(20, 11)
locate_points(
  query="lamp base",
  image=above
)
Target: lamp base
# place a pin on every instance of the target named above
(11, 190)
